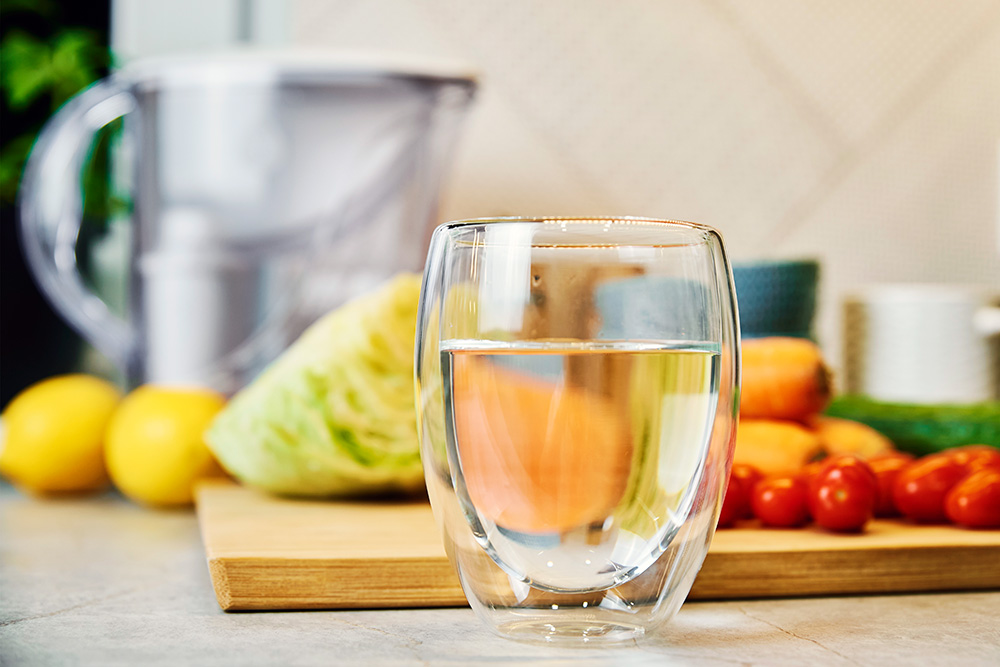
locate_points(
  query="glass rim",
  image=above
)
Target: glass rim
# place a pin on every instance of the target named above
(580, 219)
(652, 228)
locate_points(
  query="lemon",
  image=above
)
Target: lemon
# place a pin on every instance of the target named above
(53, 435)
(154, 447)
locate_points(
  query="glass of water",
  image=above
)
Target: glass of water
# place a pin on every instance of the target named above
(577, 387)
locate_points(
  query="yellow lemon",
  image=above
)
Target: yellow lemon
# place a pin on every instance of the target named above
(154, 446)
(53, 435)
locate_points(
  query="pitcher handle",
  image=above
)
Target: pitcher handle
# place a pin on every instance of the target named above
(51, 211)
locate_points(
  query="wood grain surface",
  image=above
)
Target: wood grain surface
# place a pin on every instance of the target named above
(275, 553)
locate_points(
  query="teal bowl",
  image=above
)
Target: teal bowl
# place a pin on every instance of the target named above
(777, 298)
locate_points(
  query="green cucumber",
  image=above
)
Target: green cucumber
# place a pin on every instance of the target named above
(924, 429)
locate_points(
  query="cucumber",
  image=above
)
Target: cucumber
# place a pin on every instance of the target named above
(924, 429)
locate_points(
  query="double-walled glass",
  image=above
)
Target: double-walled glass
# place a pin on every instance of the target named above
(577, 386)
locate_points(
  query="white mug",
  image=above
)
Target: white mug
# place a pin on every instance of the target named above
(923, 343)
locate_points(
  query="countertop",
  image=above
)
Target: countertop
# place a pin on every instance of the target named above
(99, 581)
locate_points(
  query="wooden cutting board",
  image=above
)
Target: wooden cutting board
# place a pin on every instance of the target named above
(273, 553)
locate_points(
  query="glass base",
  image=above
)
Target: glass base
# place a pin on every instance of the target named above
(569, 631)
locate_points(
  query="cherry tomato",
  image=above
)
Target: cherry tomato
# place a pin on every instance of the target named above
(887, 468)
(736, 503)
(843, 494)
(810, 470)
(975, 500)
(736, 495)
(749, 476)
(920, 488)
(974, 457)
(780, 501)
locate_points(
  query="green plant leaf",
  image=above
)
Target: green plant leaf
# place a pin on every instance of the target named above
(25, 69)
(76, 57)
(12, 161)
(32, 70)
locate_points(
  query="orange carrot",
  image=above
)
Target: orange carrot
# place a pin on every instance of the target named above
(537, 456)
(843, 436)
(783, 378)
(775, 447)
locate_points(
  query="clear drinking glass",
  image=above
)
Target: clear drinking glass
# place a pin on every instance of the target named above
(577, 387)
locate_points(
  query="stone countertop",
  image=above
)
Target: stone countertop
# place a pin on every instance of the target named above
(99, 581)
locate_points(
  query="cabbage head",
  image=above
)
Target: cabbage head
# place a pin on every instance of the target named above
(334, 415)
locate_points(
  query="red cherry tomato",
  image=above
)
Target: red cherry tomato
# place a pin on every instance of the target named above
(975, 500)
(749, 476)
(843, 494)
(974, 457)
(887, 468)
(921, 487)
(736, 503)
(780, 501)
(736, 496)
(810, 470)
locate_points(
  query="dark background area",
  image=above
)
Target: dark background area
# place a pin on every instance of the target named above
(50, 50)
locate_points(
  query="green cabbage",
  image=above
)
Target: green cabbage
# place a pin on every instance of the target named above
(334, 415)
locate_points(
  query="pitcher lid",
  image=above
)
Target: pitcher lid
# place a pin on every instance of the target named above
(297, 65)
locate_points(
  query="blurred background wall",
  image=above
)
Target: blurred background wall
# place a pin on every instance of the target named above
(866, 135)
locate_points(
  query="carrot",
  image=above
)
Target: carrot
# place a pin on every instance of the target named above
(775, 447)
(783, 378)
(537, 456)
(843, 436)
